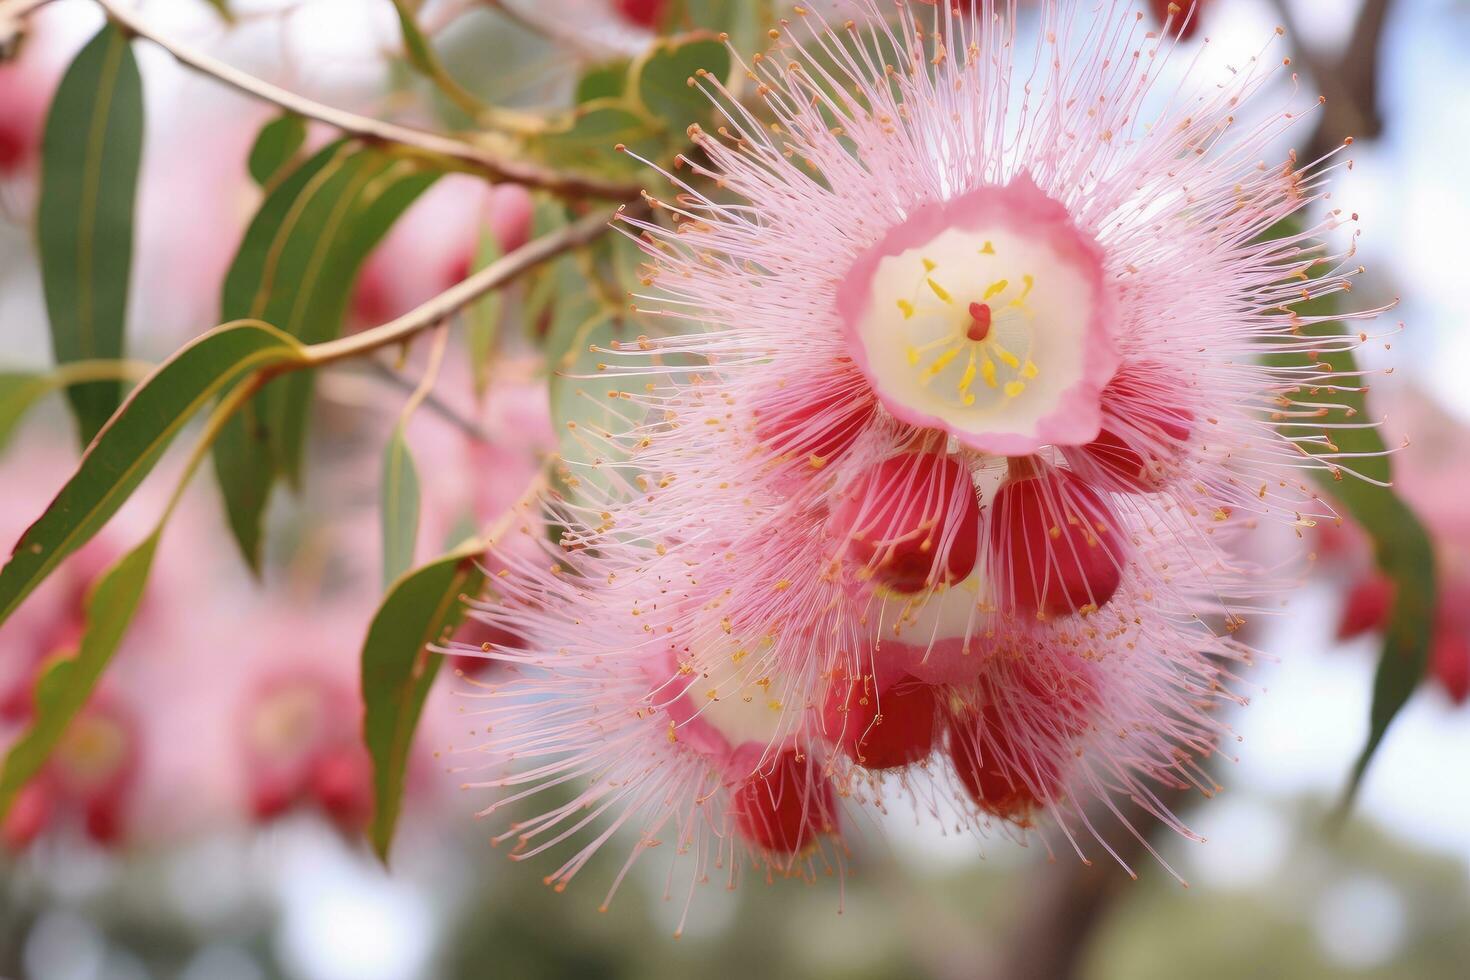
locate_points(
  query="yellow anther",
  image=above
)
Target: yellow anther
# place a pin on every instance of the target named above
(987, 369)
(906, 308)
(1029, 370)
(1010, 360)
(1027, 281)
(940, 363)
(913, 355)
(987, 249)
(929, 265)
(968, 376)
(995, 289)
(1014, 388)
(939, 290)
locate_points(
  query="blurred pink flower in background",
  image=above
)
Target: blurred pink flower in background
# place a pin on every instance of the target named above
(433, 246)
(1431, 473)
(26, 84)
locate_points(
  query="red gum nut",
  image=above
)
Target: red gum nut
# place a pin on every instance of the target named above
(913, 519)
(781, 803)
(815, 430)
(1366, 608)
(958, 6)
(104, 819)
(1054, 542)
(1003, 780)
(886, 729)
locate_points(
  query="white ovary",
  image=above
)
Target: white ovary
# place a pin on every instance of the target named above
(932, 636)
(945, 614)
(735, 696)
(929, 355)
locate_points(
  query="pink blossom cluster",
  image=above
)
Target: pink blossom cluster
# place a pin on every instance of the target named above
(928, 485)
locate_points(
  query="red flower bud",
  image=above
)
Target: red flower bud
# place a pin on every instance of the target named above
(1055, 543)
(644, 13)
(1450, 663)
(913, 519)
(782, 802)
(886, 729)
(1142, 432)
(1005, 777)
(818, 429)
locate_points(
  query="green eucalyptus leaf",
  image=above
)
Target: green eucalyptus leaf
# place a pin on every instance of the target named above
(589, 143)
(665, 78)
(131, 442)
(90, 156)
(421, 609)
(400, 507)
(482, 319)
(746, 23)
(415, 45)
(1402, 547)
(602, 82)
(275, 147)
(296, 268)
(67, 683)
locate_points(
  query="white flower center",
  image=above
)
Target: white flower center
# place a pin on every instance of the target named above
(986, 318)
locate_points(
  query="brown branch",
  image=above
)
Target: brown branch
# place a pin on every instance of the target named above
(1348, 81)
(1065, 902)
(434, 145)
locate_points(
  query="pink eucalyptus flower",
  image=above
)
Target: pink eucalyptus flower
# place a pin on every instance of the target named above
(983, 412)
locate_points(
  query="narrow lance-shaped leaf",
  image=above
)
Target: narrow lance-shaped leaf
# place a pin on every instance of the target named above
(66, 684)
(377, 205)
(84, 220)
(421, 609)
(295, 269)
(415, 45)
(482, 320)
(400, 507)
(1401, 546)
(131, 443)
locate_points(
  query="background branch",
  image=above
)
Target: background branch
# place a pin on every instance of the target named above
(492, 277)
(458, 151)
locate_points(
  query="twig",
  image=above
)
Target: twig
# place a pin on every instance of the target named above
(490, 278)
(425, 388)
(435, 145)
(12, 12)
(1349, 81)
(432, 402)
